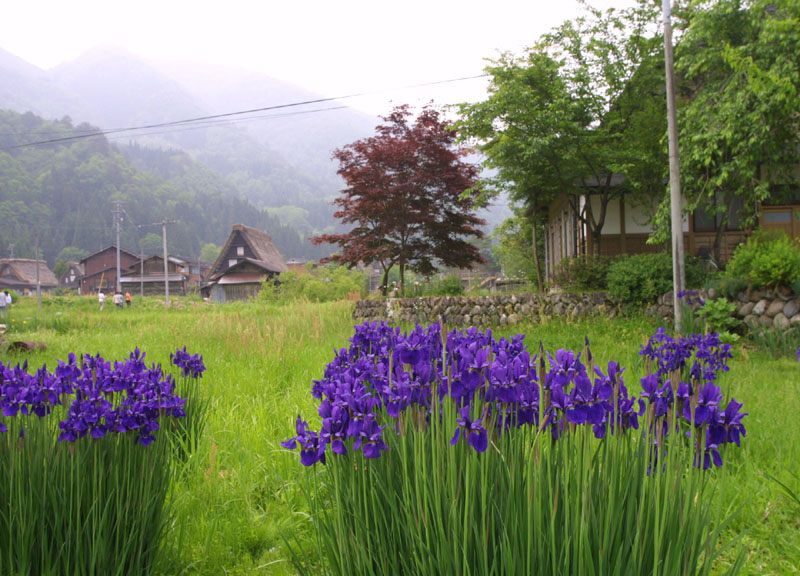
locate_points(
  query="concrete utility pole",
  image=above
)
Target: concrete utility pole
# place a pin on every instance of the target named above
(678, 271)
(166, 268)
(117, 221)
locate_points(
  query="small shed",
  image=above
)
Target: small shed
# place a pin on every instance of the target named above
(248, 259)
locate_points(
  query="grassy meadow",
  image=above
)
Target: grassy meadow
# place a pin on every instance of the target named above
(241, 494)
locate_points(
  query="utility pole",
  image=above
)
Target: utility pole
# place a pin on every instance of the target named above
(678, 271)
(166, 268)
(38, 283)
(117, 220)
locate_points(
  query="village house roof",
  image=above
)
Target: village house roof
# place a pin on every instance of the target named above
(22, 272)
(266, 254)
(111, 247)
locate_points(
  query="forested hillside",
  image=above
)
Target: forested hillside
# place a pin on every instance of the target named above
(64, 192)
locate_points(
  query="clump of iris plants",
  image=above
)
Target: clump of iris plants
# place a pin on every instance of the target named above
(83, 479)
(458, 452)
(498, 386)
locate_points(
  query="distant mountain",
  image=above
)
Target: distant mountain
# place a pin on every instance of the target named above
(305, 136)
(277, 159)
(26, 88)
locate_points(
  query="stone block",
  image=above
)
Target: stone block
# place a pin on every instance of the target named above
(791, 308)
(746, 309)
(775, 307)
(781, 322)
(760, 307)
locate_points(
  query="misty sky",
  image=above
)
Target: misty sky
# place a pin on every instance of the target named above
(331, 48)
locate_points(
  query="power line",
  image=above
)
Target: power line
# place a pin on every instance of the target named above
(194, 121)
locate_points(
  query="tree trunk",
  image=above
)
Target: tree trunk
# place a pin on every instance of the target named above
(596, 236)
(385, 282)
(402, 278)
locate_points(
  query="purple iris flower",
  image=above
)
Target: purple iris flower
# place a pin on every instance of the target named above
(472, 430)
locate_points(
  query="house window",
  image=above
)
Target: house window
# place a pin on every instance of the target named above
(240, 250)
(778, 217)
(232, 262)
(710, 220)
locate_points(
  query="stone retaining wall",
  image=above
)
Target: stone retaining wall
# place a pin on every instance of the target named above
(757, 308)
(768, 308)
(497, 310)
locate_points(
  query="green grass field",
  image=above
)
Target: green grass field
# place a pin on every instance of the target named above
(240, 495)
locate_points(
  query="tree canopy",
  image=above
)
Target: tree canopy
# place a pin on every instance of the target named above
(739, 96)
(575, 113)
(405, 197)
(64, 193)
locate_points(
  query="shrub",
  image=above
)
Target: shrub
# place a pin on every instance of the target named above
(720, 316)
(641, 278)
(767, 259)
(449, 286)
(322, 284)
(585, 273)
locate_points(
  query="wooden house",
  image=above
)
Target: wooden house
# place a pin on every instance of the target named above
(194, 270)
(23, 275)
(248, 259)
(102, 267)
(628, 225)
(71, 278)
(146, 276)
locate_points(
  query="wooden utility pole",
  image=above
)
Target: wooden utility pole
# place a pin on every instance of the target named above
(38, 284)
(678, 272)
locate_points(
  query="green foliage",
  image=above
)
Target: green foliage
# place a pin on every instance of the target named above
(513, 249)
(729, 286)
(719, 315)
(209, 252)
(779, 343)
(84, 508)
(577, 107)
(449, 286)
(322, 284)
(767, 259)
(585, 273)
(641, 278)
(67, 192)
(738, 63)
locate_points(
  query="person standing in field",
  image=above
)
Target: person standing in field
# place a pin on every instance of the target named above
(128, 299)
(8, 299)
(118, 299)
(102, 299)
(3, 305)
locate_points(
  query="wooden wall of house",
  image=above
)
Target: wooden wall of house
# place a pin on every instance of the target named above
(241, 291)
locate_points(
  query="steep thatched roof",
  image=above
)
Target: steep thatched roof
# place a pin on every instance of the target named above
(24, 270)
(265, 252)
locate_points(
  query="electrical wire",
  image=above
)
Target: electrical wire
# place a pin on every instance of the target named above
(226, 115)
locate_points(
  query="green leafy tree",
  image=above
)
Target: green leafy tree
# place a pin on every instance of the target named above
(209, 252)
(573, 113)
(152, 243)
(513, 249)
(740, 95)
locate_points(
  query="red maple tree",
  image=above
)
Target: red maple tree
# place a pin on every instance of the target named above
(405, 198)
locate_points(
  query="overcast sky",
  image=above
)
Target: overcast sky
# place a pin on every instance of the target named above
(330, 47)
